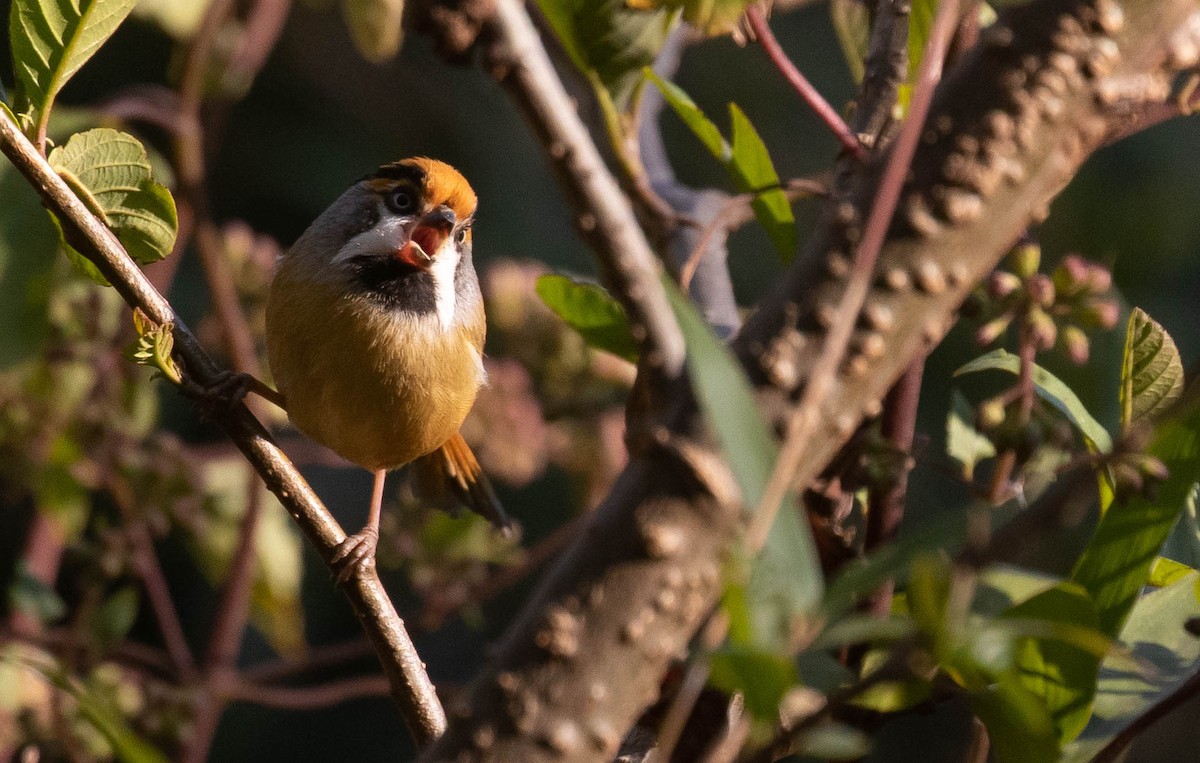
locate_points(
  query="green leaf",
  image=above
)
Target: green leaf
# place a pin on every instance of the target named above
(110, 171)
(178, 18)
(52, 39)
(31, 596)
(1116, 563)
(833, 741)
(920, 22)
(1165, 572)
(746, 160)
(762, 677)
(591, 311)
(610, 40)
(1051, 389)
(1061, 673)
(852, 23)
(115, 615)
(712, 17)
(1019, 727)
(964, 443)
(752, 172)
(700, 125)
(27, 245)
(1164, 655)
(1151, 370)
(375, 27)
(785, 577)
(1183, 545)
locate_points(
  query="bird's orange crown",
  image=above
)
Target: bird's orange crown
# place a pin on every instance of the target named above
(434, 182)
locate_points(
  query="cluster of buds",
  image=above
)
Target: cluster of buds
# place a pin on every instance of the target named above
(1050, 309)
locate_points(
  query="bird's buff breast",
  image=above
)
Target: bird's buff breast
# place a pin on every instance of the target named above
(378, 388)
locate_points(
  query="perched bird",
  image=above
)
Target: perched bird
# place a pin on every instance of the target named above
(375, 332)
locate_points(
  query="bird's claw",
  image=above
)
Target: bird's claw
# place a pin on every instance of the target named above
(356, 552)
(221, 396)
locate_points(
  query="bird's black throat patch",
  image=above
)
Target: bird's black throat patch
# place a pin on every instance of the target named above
(396, 285)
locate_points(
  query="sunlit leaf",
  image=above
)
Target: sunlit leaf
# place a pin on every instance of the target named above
(110, 172)
(964, 443)
(833, 741)
(375, 27)
(591, 311)
(1051, 389)
(1116, 563)
(51, 39)
(1164, 655)
(752, 172)
(1165, 572)
(713, 17)
(785, 577)
(178, 18)
(1151, 370)
(1061, 673)
(746, 160)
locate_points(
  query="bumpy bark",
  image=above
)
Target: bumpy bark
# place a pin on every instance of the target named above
(1009, 128)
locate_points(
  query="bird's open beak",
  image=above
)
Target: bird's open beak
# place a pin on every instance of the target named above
(427, 238)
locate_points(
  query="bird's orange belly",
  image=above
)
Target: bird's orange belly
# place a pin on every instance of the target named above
(378, 391)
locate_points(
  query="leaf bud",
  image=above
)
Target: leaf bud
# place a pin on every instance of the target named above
(1002, 283)
(1041, 289)
(992, 330)
(1071, 275)
(1099, 313)
(1041, 328)
(990, 414)
(1074, 343)
(1025, 259)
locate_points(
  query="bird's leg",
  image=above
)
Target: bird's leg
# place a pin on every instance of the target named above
(229, 389)
(359, 548)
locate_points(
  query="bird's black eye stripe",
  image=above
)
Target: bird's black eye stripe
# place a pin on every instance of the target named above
(402, 200)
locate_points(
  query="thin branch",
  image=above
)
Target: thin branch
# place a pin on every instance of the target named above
(411, 688)
(317, 658)
(886, 68)
(824, 372)
(826, 113)
(310, 697)
(1185, 692)
(603, 213)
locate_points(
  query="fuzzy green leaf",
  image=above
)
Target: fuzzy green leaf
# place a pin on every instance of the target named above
(591, 311)
(785, 578)
(965, 444)
(52, 39)
(852, 23)
(1051, 389)
(375, 27)
(110, 171)
(1151, 370)
(610, 40)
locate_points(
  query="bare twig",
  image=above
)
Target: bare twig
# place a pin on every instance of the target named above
(603, 213)
(826, 113)
(411, 689)
(317, 658)
(310, 697)
(824, 372)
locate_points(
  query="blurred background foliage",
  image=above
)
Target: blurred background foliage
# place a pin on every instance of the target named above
(87, 440)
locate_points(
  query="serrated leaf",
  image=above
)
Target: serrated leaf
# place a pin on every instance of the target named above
(591, 311)
(965, 444)
(375, 27)
(113, 171)
(763, 677)
(746, 161)
(753, 171)
(785, 579)
(52, 39)
(610, 40)
(1061, 673)
(1051, 389)
(1116, 563)
(852, 23)
(1151, 370)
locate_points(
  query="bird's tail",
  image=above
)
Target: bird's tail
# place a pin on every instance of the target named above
(452, 471)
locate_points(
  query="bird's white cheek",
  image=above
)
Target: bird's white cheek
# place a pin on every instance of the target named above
(445, 265)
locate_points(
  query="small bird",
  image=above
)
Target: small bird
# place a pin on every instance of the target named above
(375, 331)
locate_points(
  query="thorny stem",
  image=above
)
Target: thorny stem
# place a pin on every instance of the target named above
(411, 688)
(826, 113)
(824, 371)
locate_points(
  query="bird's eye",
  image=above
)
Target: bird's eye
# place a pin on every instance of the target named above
(401, 201)
(461, 235)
